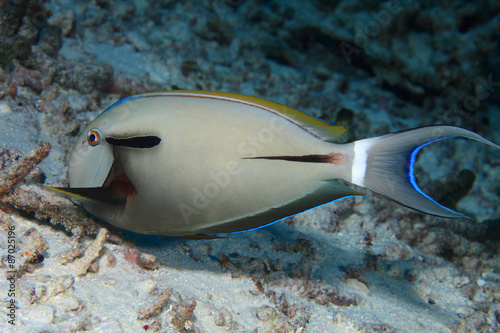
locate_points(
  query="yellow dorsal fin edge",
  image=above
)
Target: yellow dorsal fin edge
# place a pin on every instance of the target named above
(318, 127)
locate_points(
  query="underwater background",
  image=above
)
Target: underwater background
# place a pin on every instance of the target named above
(356, 265)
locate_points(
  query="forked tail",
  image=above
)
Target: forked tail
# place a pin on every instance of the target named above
(385, 165)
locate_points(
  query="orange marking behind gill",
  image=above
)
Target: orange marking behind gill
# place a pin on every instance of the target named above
(122, 186)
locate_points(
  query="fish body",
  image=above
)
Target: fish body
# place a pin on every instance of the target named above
(189, 162)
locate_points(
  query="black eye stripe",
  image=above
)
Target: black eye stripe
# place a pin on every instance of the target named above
(135, 142)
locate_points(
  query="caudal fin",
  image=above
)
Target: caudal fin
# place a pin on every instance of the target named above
(385, 165)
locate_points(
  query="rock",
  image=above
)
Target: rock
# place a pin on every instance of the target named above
(266, 313)
(41, 314)
(64, 19)
(138, 41)
(53, 287)
(450, 190)
(85, 77)
(149, 286)
(274, 50)
(344, 117)
(16, 47)
(148, 261)
(189, 66)
(5, 108)
(213, 29)
(12, 15)
(51, 40)
(21, 47)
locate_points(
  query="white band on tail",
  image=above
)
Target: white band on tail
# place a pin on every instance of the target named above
(359, 161)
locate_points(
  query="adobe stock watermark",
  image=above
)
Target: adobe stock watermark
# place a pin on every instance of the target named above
(371, 29)
(484, 89)
(11, 275)
(250, 147)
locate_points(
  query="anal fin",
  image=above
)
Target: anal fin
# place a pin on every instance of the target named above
(326, 192)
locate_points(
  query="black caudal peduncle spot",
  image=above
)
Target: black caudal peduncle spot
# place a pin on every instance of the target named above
(135, 142)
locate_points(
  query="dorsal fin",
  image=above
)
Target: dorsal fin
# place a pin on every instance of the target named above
(315, 126)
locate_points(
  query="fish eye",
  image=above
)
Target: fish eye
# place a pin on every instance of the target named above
(93, 137)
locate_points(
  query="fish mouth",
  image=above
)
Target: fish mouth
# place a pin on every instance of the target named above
(115, 191)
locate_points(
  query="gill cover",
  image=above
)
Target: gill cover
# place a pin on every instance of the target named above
(89, 165)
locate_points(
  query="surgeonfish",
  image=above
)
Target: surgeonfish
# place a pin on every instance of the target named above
(183, 163)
